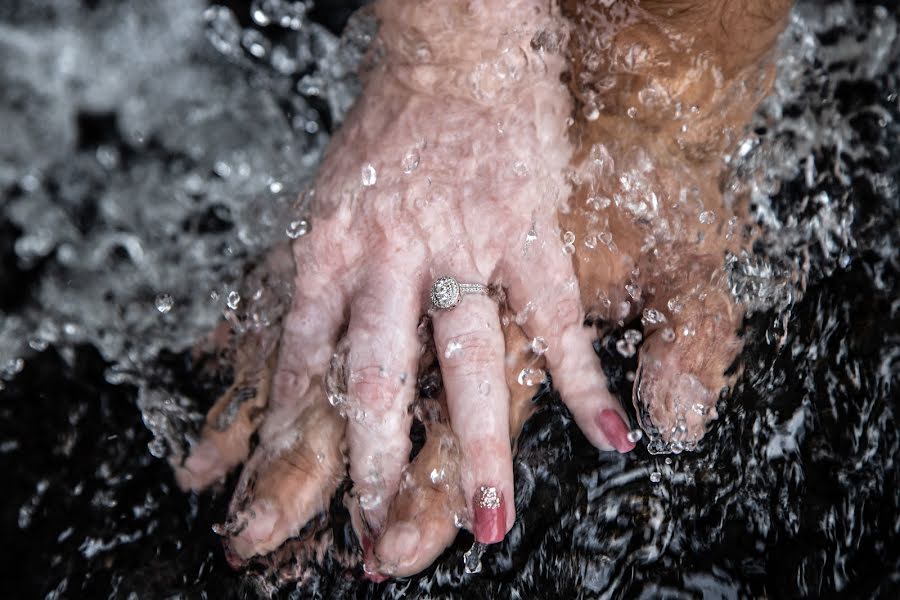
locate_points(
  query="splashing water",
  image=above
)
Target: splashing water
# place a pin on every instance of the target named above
(164, 143)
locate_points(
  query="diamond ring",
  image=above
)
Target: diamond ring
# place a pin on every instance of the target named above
(446, 292)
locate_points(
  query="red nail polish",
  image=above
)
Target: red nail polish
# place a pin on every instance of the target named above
(615, 430)
(490, 515)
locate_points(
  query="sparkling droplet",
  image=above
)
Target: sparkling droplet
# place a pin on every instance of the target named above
(633, 290)
(568, 238)
(369, 175)
(590, 241)
(275, 187)
(700, 408)
(707, 217)
(530, 376)
(668, 460)
(668, 335)
(484, 388)
(437, 476)
(655, 476)
(591, 113)
(233, 300)
(539, 346)
(297, 229)
(632, 112)
(675, 305)
(653, 317)
(453, 348)
(635, 435)
(568, 249)
(633, 336)
(688, 330)
(410, 161)
(164, 303)
(520, 169)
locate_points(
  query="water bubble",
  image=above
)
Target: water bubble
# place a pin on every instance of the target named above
(688, 330)
(164, 302)
(568, 238)
(667, 334)
(635, 435)
(369, 175)
(276, 187)
(233, 300)
(631, 112)
(539, 346)
(568, 249)
(633, 336)
(410, 161)
(668, 460)
(700, 408)
(297, 229)
(590, 241)
(653, 317)
(655, 476)
(707, 217)
(484, 388)
(520, 169)
(591, 112)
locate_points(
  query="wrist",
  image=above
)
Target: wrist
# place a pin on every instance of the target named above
(487, 50)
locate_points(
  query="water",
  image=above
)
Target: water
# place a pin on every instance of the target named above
(162, 145)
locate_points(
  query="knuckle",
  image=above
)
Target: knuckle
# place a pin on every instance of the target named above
(469, 353)
(375, 387)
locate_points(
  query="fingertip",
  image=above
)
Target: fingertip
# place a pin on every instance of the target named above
(615, 430)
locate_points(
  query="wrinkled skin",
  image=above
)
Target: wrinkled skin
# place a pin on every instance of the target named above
(461, 158)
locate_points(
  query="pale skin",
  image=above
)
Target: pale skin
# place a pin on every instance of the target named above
(462, 158)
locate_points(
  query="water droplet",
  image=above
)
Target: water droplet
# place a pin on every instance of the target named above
(675, 305)
(472, 558)
(568, 238)
(625, 349)
(700, 408)
(530, 376)
(568, 249)
(633, 290)
(233, 300)
(590, 241)
(369, 175)
(520, 169)
(539, 346)
(297, 229)
(653, 317)
(655, 476)
(635, 435)
(668, 335)
(437, 476)
(632, 112)
(688, 330)
(164, 302)
(275, 187)
(484, 388)
(453, 348)
(707, 217)
(668, 460)
(591, 112)
(410, 161)
(633, 336)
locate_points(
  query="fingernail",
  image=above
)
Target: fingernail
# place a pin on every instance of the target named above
(368, 549)
(490, 516)
(615, 430)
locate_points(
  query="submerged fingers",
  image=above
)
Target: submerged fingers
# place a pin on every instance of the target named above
(551, 313)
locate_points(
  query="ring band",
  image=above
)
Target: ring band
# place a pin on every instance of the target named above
(446, 292)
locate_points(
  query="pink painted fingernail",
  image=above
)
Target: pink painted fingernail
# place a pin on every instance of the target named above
(615, 430)
(490, 515)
